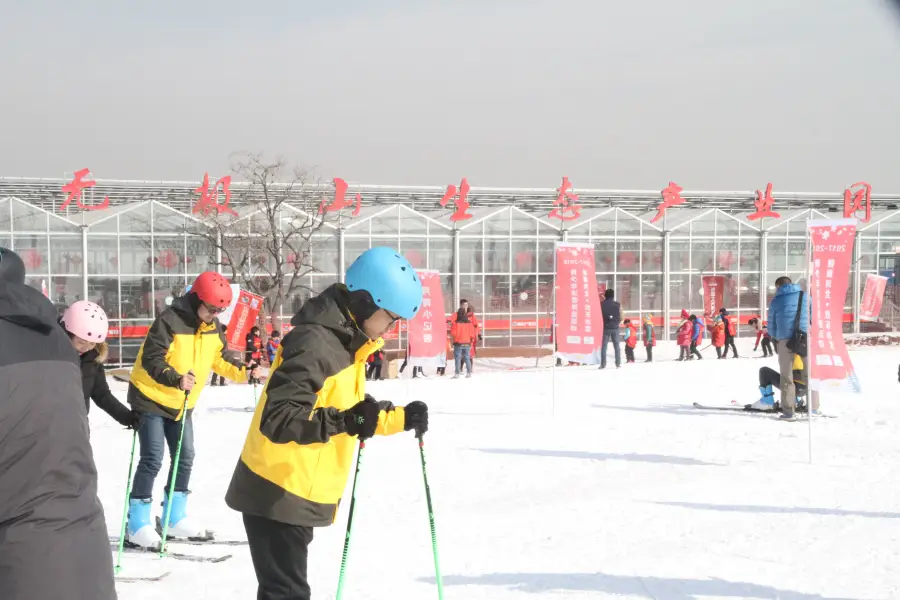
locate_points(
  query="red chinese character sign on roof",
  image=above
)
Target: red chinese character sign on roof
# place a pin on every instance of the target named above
(858, 197)
(562, 209)
(74, 188)
(764, 204)
(461, 202)
(340, 201)
(209, 201)
(671, 196)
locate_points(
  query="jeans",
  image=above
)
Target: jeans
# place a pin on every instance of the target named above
(155, 433)
(461, 352)
(610, 334)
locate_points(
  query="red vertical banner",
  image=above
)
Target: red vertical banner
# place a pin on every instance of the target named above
(579, 324)
(427, 331)
(713, 296)
(831, 251)
(873, 296)
(242, 319)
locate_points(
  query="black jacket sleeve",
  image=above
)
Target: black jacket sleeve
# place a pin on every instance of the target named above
(104, 398)
(153, 359)
(288, 415)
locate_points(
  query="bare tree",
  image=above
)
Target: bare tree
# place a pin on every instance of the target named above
(267, 246)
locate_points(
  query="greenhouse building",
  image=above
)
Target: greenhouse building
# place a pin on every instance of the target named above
(131, 246)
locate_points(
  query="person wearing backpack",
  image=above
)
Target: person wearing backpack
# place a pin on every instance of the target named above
(650, 339)
(788, 313)
(730, 332)
(631, 338)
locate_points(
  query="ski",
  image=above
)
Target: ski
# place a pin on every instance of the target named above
(130, 548)
(209, 542)
(735, 409)
(756, 411)
(137, 578)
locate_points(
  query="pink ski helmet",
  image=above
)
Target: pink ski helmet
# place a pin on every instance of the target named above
(87, 321)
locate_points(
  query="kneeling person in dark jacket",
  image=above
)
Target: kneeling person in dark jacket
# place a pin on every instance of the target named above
(53, 540)
(299, 449)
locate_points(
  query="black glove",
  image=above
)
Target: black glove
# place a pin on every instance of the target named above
(361, 419)
(416, 417)
(133, 420)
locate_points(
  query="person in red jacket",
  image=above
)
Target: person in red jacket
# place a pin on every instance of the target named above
(631, 336)
(762, 333)
(685, 332)
(463, 332)
(730, 332)
(464, 305)
(718, 335)
(253, 353)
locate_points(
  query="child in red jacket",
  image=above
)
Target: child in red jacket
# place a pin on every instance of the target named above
(631, 337)
(762, 333)
(685, 332)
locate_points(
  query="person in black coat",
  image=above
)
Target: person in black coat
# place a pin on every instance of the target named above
(52, 526)
(612, 316)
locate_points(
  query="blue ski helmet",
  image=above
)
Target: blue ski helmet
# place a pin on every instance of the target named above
(390, 280)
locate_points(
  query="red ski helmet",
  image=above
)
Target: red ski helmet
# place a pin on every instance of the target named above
(213, 289)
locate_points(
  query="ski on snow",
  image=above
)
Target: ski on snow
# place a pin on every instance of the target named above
(130, 548)
(137, 578)
(753, 411)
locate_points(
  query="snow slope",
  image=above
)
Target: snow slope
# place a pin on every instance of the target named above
(627, 492)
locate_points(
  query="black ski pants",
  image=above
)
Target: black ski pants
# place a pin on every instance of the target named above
(279, 552)
(729, 343)
(694, 351)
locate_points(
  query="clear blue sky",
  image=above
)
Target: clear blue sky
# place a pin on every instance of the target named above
(714, 94)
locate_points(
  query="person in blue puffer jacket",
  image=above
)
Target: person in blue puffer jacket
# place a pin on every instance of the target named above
(782, 317)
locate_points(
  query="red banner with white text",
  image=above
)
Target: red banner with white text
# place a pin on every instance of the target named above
(579, 323)
(713, 296)
(427, 331)
(242, 319)
(831, 252)
(873, 296)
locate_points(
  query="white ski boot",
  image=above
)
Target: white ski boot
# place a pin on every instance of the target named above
(182, 526)
(139, 532)
(766, 401)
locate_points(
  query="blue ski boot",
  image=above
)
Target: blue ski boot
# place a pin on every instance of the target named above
(139, 532)
(766, 400)
(181, 525)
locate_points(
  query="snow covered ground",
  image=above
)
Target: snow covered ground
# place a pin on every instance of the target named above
(627, 492)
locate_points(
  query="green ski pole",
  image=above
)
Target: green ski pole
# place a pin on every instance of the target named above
(165, 532)
(359, 456)
(437, 566)
(125, 510)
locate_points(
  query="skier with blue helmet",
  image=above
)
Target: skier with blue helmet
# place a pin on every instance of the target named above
(299, 450)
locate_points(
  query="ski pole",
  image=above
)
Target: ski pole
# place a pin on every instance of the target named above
(125, 509)
(162, 545)
(359, 456)
(437, 566)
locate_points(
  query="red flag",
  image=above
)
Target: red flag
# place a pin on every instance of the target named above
(427, 331)
(873, 296)
(579, 323)
(831, 249)
(242, 319)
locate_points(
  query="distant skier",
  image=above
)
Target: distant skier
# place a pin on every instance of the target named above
(87, 327)
(299, 449)
(183, 345)
(53, 539)
(730, 332)
(762, 333)
(696, 336)
(272, 345)
(684, 331)
(631, 338)
(649, 337)
(253, 353)
(718, 335)
(611, 312)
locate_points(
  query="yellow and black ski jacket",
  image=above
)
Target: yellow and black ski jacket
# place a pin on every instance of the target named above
(297, 455)
(178, 342)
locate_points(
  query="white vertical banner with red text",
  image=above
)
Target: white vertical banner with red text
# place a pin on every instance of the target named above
(873, 297)
(427, 331)
(830, 262)
(579, 323)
